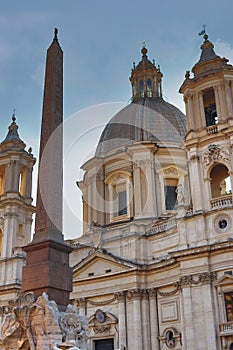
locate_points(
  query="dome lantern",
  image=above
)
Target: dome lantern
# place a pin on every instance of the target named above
(146, 78)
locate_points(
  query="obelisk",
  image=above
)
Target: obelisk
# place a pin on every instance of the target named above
(47, 256)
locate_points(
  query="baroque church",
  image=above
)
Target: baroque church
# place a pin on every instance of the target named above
(153, 269)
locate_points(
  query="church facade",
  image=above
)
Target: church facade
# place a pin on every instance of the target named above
(154, 266)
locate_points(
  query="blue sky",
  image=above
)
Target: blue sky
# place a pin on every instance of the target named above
(100, 40)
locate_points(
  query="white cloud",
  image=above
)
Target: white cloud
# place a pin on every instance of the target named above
(224, 49)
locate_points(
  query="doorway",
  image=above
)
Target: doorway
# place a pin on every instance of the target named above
(104, 344)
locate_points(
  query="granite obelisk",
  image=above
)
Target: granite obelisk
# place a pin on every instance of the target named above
(47, 256)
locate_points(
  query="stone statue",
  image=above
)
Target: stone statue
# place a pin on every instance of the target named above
(39, 325)
(180, 194)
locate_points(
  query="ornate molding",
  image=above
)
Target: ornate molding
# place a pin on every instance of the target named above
(101, 303)
(171, 171)
(172, 292)
(215, 154)
(102, 329)
(134, 294)
(2, 222)
(120, 296)
(194, 158)
(202, 278)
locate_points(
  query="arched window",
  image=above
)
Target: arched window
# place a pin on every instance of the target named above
(2, 180)
(141, 88)
(210, 107)
(149, 88)
(220, 181)
(22, 182)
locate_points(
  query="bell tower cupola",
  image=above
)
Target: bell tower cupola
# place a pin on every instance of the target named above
(208, 96)
(146, 79)
(16, 209)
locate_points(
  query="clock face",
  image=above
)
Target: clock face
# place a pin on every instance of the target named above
(100, 316)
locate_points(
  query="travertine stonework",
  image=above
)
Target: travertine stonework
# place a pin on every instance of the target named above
(162, 270)
(153, 269)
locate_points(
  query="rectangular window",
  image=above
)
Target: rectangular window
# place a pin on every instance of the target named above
(170, 197)
(104, 344)
(122, 203)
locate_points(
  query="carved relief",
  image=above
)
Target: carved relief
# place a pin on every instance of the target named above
(202, 278)
(102, 322)
(171, 339)
(38, 324)
(194, 157)
(215, 154)
(172, 171)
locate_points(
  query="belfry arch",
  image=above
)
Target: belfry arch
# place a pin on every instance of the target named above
(219, 180)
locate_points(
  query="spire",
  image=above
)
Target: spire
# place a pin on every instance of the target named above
(12, 131)
(208, 61)
(207, 48)
(12, 139)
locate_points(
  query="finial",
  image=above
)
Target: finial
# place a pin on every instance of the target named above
(133, 65)
(187, 74)
(13, 116)
(55, 33)
(203, 32)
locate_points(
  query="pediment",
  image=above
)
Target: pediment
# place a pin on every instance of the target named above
(225, 280)
(100, 264)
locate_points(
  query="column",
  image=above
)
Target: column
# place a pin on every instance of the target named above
(154, 322)
(122, 318)
(222, 99)
(189, 112)
(218, 103)
(137, 319)
(28, 182)
(8, 177)
(201, 110)
(189, 339)
(130, 320)
(16, 176)
(229, 97)
(145, 321)
(196, 188)
(149, 208)
(209, 317)
(137, 190)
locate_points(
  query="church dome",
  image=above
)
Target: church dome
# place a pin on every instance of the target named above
(148, 118)
(144, 120)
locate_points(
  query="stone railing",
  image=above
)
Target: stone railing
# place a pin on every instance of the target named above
(221, 202)
(213, 129)
(162, 226)
(226, 328)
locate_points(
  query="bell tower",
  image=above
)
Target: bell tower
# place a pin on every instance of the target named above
(16, 166)
(208, 97)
